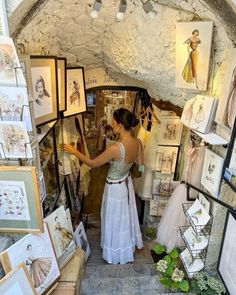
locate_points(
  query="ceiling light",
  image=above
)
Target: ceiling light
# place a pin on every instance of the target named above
(122, 8)
(97, 5)
(149, 10)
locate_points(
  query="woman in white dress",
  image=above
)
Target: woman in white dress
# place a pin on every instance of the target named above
(120, 230)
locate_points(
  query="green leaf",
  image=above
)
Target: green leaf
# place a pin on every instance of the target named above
(173, 263)
(167, 259)
(174, 253)
(158, 248)
(184, 286)
(169, 271)
(175, 285)
(167, 282)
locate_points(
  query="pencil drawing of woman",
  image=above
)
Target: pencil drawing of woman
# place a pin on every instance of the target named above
(39, 267)
(189, 73)
(65, 236)
(43, 101)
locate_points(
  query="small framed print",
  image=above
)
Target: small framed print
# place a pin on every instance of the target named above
(229, 169)
(166, 159)
(44, 83)
(17, 282)
(227, 258)
(61, 77)
(4, 30)
(161, 207)
(211, 173)
(170, 131)
(75, 92)
(153, 208)
(37, 253)
(20, 209)
(81, 239)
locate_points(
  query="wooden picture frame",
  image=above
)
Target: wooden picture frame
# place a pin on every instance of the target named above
(229, 169)
(37, 253)
(20, 209)
(75, 92)
(4, 28)
(44, 83)
(61, 78)
(18, 282)
(170, 131)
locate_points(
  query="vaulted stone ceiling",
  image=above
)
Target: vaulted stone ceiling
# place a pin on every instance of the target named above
(139, 47)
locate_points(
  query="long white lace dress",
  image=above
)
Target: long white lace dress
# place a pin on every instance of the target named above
(120, 230)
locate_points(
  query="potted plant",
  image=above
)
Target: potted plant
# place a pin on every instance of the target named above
(158, 252)
(203, 282)
(150, 232)
(172, 276)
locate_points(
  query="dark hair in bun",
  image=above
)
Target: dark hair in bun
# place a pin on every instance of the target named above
(126, 118)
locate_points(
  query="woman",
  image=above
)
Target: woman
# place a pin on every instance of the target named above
(190, 69)
(120, 231)
(43, 103)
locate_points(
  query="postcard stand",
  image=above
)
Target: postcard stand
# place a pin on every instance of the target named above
(5, 157)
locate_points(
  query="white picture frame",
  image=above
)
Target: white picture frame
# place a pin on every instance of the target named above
(166, 159)
(81, 240)
(153, 207)
(170, 131)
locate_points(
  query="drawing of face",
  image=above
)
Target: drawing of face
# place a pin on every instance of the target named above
(39, 88)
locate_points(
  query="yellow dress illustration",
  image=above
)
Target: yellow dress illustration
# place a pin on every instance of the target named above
(65, 236)
(189, 73)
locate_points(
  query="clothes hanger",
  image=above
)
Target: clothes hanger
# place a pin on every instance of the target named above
(149, 110)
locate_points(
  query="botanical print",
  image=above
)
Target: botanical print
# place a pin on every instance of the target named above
(13, 201)
(15, 140)
(10, 70)
(193, 48)
(199, 113)
(204, 202)
(15, 105)
(62, 237)
(166, 159)
(232, 164)
(192, 265)
(226, 110)
(170, 131)
(227, 260)
(81, 240)
(198, 215)
(37, 253)
(211, 173)
(41, 79)
(196, 242)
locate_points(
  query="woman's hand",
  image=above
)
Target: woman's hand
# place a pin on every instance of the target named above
(68, 148)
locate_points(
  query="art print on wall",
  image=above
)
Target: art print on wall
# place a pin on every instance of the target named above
(227, 258)
(61, 75)
(14, 105)
(10, 72)
(20, 209)
(14, 140)
(4, 30)
(17, 282)
(226, 110)
(193, 49)
(161, 207)
(81, 239)
(36, 251)
(62, 237)
(166, 159)
(211, 172)
(153, 207)
(75, 92)
(44, 83)
(170, 131)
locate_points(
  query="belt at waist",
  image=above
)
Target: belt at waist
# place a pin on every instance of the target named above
(117, 181)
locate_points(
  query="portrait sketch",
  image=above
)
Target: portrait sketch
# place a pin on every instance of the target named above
(226, 110)
(81, 239)
(37, 253)
(193, 49)
(15, 140)
(14, 105)
(10, 71)
(211, 173)
(166, 159)
(75, 92)
(170, 131)
(62, 237)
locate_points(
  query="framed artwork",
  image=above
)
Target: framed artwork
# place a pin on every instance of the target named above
(170, 131)
(75, 92)
(44, 83)
(193, 50)
(197, 243)
(14, 105)
(20, 209)
(229, 170)
(161, 207)
(211, 172)
(4, 30)
(36, 251)
(18, 282)
(62, 237)
(81, 239)
(166, 159)
(192, 265)
(26, 69)
(14, 140)
(227, 258)
(153, 208)
(164, 188)
(227, 103)
(156, 186)
(61, 77)
(199, 113)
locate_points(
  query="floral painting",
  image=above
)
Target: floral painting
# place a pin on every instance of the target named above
(193, 49)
